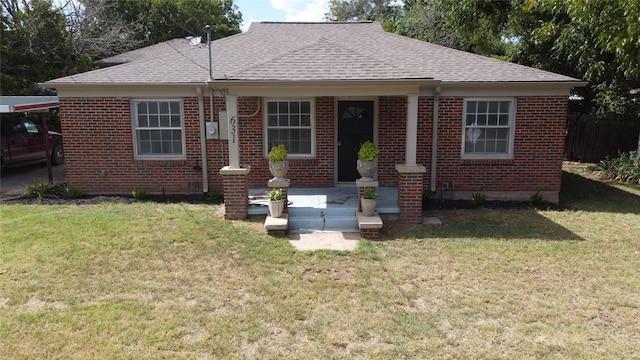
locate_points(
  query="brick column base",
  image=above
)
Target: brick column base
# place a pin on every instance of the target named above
(410, 183)
(370, 234)
(236, 192)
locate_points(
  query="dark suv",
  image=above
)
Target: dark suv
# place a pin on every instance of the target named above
(23, 142)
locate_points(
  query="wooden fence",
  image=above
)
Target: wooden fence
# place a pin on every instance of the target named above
(590, 139)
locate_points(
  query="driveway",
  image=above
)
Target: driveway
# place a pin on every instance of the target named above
(14, 180)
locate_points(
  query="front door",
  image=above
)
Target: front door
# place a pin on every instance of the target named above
(355, 126)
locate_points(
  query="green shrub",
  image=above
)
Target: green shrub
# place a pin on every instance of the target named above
(479, 198)
(278, 153)
(71, 192)
(214, 195)
(621, 168)
(39, 189)
(538, 200)
(275, 195)
(369, 193)
(368, 151)
(139, 193)
(427, 195)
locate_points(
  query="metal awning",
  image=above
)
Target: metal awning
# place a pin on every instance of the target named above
(12, 104)
(42, 104)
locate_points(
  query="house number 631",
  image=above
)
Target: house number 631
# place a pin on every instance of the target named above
(232, 127)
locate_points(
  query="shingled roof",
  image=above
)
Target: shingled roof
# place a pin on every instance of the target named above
(290, 52)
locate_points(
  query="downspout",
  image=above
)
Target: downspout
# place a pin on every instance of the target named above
(434, 140)
(203, 142)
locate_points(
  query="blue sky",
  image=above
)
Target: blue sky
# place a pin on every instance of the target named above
(281, 10)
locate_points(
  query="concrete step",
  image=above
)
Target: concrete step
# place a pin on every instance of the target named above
(334, 211)
(344, 223)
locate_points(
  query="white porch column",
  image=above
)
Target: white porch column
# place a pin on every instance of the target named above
(412, 130)
(233, 130)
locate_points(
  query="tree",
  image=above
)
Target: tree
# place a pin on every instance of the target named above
(482, 25)
(41, 40)
(33, 46)
(389, 13)
(450, 23)
(161, 20)
(427, 21)
(598, 41)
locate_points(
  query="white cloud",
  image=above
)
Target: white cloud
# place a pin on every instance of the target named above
(302, 10)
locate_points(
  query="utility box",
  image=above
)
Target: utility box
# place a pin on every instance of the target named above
(212, 130)
(224, 125)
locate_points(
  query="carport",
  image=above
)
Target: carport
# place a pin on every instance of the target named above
(39, 104)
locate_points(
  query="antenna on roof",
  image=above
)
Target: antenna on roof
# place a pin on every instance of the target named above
(208, 28)
(194, 40)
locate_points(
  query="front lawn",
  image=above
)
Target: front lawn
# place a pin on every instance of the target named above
(173, 281)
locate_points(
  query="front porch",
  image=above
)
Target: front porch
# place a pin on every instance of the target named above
(318, 160)
(324, 209)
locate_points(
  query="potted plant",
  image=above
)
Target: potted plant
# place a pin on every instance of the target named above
(278, 163)
(276, 202)
(368, 201)
(367, 156)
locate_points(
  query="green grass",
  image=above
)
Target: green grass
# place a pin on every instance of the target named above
(175, 281)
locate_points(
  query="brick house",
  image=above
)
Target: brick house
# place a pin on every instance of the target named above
(444, 120)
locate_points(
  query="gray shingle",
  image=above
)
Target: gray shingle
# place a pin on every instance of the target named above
(308, 51)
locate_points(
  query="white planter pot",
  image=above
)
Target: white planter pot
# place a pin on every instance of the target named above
(367, 169)
(276, 208)
(279, 169)
(368, 206)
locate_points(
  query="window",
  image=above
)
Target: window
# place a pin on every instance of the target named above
(31, 127)
(290, 122)
(158, 129)
(488, 128)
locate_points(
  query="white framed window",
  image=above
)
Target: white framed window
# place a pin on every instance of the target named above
(290, 122)
(158, 129)
(488, 128)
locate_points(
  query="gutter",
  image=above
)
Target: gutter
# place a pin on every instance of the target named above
(203, 142)
(434, 137)
(564, 83)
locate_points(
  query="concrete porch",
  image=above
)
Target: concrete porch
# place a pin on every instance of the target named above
(324, 209)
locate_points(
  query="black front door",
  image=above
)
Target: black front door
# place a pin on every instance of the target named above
(355, 126)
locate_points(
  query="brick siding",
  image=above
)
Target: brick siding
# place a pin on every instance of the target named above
(537, 157)
(318, 172)
(98, 137)
(99, 151)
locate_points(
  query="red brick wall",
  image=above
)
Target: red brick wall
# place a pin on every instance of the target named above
(98, 140)
(392, 134)
(318, 172)
(425, 131)
(97, 136)
(538, 149)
